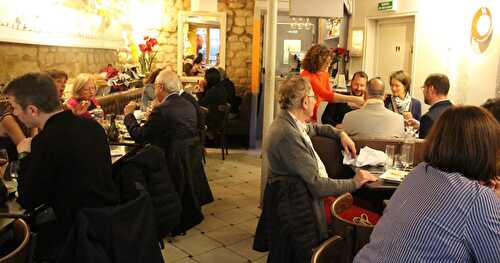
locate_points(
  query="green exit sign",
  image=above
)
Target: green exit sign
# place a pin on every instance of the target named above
(387, 6)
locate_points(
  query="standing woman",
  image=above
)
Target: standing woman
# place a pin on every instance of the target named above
(316, 64)
(401, 101)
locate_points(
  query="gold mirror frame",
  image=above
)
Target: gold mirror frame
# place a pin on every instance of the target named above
(183, 15)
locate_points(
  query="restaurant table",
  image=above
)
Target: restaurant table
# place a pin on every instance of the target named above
(380, 184)
(9, 207)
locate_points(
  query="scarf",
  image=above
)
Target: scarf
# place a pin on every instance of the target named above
(401, 105)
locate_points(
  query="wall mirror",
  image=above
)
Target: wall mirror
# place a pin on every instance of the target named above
(200, 34)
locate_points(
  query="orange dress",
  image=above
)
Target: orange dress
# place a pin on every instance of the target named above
(321, 87)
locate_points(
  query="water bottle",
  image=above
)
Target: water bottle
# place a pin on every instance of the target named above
(407, 150)
(113, 132)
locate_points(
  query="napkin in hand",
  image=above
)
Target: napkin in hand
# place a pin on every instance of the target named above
(366, 157)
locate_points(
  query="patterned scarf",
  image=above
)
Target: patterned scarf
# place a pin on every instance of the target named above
(402, 105)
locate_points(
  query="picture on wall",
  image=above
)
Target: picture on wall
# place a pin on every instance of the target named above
(291, 47)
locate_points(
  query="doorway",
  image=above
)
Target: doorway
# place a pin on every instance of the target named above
(389, 46)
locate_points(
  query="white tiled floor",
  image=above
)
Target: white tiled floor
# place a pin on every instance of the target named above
(226, 234)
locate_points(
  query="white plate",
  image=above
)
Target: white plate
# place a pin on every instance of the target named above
(394, 175)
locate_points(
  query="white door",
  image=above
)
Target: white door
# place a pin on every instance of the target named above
(394, 46)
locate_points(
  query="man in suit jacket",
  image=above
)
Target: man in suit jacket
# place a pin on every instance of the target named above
(334, 112)
(173, 126)
(435, 90)
(288, 150)
(373, 120)
(66, 166)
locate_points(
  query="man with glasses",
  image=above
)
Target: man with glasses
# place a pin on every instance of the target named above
(290, 157)
(172, 126)
(435, 90)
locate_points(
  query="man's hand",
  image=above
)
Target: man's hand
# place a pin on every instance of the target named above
(24, 145)
(348, 144)
(412, 122)
(362, 177)
(130, 108)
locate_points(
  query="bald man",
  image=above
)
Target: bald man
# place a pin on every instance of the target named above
(373, 120)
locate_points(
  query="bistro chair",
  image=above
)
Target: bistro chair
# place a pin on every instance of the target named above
(21, 245)
(329, 151)
(353, 223)
(222, 132)
(330, 251)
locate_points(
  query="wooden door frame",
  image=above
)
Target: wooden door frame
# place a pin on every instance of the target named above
(370, 35)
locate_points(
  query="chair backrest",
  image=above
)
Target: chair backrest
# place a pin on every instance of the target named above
(355, 235)
(329, 151)
(225, 108)
(21, 239)
(330, 251)
(379, 144)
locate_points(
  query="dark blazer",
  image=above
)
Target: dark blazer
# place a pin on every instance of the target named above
(286, 153)
(415, 106)
(200, 115)
(334, 113)
(431, 116)
(174, 119)
(69, 168)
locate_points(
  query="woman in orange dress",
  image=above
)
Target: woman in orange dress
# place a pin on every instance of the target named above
(316, 64)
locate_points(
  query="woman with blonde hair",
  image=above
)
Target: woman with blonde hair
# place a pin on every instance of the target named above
(316, 63)
(83, 96)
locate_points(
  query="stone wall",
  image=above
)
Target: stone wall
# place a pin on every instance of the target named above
(17, 59)
(238, 39)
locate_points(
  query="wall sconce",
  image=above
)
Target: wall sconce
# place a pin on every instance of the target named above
(481, 29)
(357, 37)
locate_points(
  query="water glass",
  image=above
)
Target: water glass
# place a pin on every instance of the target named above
(390, 150)
(13, 168)
(407, 156)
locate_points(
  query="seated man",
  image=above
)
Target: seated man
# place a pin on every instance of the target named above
(334, 112)
(172, 126)
(289, 155)
(66, 166)
(373, 120)
(435, 90)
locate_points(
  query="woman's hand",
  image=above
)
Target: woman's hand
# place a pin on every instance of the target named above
(82, 107)
(362, 177)
(407, 115)
(24, 145)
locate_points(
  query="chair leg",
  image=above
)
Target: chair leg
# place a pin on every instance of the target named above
(222, 143)
(203, 155)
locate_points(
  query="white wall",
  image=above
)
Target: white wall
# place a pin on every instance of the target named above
(443, 45)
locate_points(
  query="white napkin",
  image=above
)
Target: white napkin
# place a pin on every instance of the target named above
(139, 115)
(367, 156)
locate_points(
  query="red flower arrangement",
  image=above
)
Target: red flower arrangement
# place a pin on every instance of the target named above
(148, 53)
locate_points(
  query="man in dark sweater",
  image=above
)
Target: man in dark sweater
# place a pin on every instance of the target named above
(435, 90)
(334, 112)
(67, 165)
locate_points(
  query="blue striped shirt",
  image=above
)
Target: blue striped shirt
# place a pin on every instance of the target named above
(437, 217)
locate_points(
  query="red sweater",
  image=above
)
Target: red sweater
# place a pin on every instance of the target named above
(321, 87)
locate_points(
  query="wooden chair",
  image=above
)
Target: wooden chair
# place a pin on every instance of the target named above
(329, 151)
(222, 133)
(22, 240)
(329, 251)
(356, 234)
